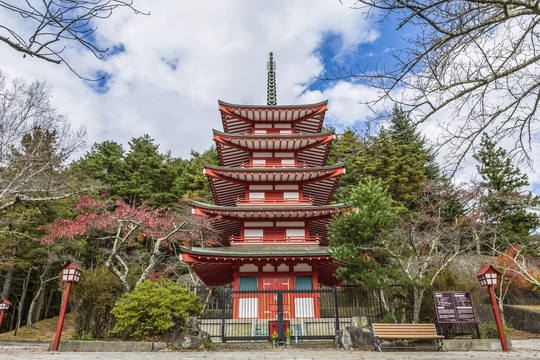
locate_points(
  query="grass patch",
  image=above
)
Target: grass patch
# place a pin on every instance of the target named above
(529, 307)
(44, 330)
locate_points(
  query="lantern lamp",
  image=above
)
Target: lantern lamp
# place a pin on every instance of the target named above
(488, 276)
(71, 272)
(4, 305)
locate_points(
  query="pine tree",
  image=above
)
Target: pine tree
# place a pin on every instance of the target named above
(354, 235)
(507, 204)
(404, 132)
(193, 184)
(104, 162)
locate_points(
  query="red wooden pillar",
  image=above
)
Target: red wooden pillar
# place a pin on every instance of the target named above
(61, 318)
(71, 273)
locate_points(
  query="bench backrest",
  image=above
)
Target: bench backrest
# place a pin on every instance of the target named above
(404, 329)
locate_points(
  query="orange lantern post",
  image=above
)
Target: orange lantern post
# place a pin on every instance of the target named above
(488, 276)
(4, 305)
(71, 273)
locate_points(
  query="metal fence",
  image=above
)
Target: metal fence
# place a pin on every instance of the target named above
(231, 315)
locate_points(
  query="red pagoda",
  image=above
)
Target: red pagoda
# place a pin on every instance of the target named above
(272, 194)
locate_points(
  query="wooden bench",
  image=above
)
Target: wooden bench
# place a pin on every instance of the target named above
(406, 332)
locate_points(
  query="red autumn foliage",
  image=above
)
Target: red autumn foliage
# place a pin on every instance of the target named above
(512, 272)
(116, 218)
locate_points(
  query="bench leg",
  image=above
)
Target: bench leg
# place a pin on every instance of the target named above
(378, 343)
(440, 345)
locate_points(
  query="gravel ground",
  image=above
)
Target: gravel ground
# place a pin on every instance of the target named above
(523, 349)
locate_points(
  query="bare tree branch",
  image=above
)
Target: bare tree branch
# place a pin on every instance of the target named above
(52, 25)
(35, 142)
(470, 65)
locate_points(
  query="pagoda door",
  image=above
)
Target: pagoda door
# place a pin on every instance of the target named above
(271, 304)
(273, 235)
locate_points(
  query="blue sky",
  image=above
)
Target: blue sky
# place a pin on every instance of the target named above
(167, 70)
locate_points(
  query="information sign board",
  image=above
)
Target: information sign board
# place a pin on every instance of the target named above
(454, 307)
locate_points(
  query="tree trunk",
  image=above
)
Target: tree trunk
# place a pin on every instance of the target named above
(12, 322)
(418, 294)
(41, 304)
(21, 303)
(42, 282)
(8, 282)
(494, 246)
(49, 302)
(118, 274)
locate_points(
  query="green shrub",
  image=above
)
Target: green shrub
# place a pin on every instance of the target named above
(488, 330)
(94, 297)
(150, 308)
(388, 318)
(83, 336)
(209, 345)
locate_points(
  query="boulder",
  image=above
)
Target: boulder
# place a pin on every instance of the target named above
(189, 342)
(343, 339)
(354, 337)
(360, 321)
(357, 337)
(189, 336)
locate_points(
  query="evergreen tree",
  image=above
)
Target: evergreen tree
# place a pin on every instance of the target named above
(398, 155)
(355, 234)
(104, 162)
(507, 204)
(404, 132)
(193, 183)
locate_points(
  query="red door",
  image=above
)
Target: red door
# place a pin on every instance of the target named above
(270, 304)
(273, 235)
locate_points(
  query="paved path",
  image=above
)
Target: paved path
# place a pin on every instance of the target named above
(524, 349)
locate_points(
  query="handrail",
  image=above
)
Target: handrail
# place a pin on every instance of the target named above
(272, 166)
(261, 240)
(292, 201)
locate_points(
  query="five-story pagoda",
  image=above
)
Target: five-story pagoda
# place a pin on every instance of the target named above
(272, 194)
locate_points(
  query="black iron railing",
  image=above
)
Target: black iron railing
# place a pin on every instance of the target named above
(254, 315)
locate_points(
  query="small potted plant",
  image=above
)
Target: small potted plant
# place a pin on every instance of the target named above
(288, 334)
(274, 337)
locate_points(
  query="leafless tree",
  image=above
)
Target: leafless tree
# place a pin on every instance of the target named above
(35, 141)
(425, 243)
(50, 25)
(471, 65)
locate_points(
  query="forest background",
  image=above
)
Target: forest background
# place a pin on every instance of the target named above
(123, 213)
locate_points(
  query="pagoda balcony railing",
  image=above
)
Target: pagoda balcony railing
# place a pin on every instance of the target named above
(281, 240)
(273, 202)
(272, 166)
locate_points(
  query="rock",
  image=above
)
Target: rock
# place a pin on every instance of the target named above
(357, 336)
(189, 342)
(170, 336)
(360, 321)
(205, 336)
(343, 339)
(189, 337)
(192, 323)
(354, 337)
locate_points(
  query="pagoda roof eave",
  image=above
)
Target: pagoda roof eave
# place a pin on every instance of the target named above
(277, 136)
(273, 170)
(239, 119)
(322, 103)
(263, 251)
(286, 208)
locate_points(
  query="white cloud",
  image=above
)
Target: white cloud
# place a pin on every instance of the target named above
(219, 50)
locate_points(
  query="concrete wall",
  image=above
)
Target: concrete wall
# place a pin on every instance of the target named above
(104, 346)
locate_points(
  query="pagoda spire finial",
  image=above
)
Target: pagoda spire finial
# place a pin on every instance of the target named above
(271, 96)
